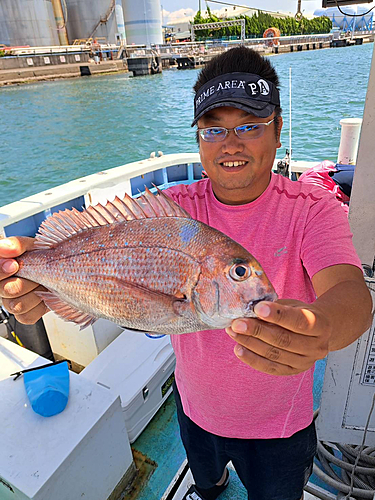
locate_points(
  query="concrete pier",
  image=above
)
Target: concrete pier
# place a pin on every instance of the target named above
(144, 65)
(297, 47)
(34, 73)
(188, 62)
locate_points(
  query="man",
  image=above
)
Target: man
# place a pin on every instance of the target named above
(245, 395)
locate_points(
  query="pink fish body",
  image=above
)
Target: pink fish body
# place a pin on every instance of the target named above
(143, 264)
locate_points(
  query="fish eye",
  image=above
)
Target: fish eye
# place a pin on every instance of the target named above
(239, 272)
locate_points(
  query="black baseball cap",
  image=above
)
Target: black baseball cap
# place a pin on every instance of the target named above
(245, 91)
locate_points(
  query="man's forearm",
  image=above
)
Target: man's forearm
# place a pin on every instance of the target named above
(349, 306)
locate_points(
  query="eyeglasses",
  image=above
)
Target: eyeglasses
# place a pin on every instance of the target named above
(246, 132)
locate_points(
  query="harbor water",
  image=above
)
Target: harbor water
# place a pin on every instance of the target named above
(53, 132)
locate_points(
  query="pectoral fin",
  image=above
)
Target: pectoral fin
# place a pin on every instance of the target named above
(66, 311)
(142, 304)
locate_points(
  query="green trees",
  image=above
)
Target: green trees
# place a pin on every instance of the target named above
(259, 22)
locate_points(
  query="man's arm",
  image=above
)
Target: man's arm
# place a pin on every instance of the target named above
(289, 335)
(343, 297)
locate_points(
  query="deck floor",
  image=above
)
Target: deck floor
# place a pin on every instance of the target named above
(159, 453)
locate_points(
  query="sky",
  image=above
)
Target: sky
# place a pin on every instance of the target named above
(191, 6)
(177, 9)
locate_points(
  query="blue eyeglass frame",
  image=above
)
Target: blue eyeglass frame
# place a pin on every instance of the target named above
(235, 129)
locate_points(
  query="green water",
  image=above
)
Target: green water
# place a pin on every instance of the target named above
(54, 132)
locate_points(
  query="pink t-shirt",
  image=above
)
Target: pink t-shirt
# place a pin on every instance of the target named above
(294, 230)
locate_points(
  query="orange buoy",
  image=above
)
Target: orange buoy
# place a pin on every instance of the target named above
(272, 35)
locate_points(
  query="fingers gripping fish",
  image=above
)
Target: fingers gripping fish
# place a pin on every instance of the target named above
(143, 264)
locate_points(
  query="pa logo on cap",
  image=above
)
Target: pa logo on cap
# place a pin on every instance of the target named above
(255, 88)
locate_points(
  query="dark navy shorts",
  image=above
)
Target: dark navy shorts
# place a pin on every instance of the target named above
(270, 469)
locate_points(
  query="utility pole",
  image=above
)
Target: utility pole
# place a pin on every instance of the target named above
(199, 5)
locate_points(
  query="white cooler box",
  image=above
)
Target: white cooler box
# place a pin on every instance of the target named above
(81, 453)
(140, 370)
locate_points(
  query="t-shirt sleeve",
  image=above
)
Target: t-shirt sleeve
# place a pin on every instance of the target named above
(327, 239)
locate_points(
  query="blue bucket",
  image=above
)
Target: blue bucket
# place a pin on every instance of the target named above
(48, 388)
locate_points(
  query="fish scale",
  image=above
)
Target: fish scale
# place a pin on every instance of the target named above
(144, 264)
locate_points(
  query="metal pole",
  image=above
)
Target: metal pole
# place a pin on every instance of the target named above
(354, 23)
(290, 122)
(60, 22)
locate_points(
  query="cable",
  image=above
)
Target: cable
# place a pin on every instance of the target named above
(4, 318)
(241, 6)
(361, 448)
(357, 465)
(231, 4)
(353, 15)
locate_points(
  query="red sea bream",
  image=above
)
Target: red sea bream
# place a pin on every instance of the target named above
(144, 264)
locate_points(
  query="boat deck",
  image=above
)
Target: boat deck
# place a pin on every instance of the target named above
(159, 454)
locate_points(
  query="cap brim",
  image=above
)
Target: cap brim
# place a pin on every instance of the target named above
(256, 108)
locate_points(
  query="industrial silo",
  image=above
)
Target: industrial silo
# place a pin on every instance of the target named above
(28, 22)
(94, 19)
(143, 23)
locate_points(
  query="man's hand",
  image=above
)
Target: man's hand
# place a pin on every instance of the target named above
(288, 337)
(17, 294)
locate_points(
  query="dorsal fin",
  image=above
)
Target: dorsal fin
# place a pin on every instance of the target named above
(62, 225)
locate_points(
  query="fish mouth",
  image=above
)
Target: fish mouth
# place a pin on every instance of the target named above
(250, 306)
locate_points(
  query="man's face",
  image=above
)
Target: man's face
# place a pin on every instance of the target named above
(235, 185)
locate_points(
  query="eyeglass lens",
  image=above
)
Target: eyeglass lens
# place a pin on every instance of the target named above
(246, 132)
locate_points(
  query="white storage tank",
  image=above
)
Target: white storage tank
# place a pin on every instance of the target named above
(319, 12)
(27, 22)
(143, 24)
(339, 20)
(93, 19)
(366, 21)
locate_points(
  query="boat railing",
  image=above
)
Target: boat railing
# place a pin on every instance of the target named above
(22, 218)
